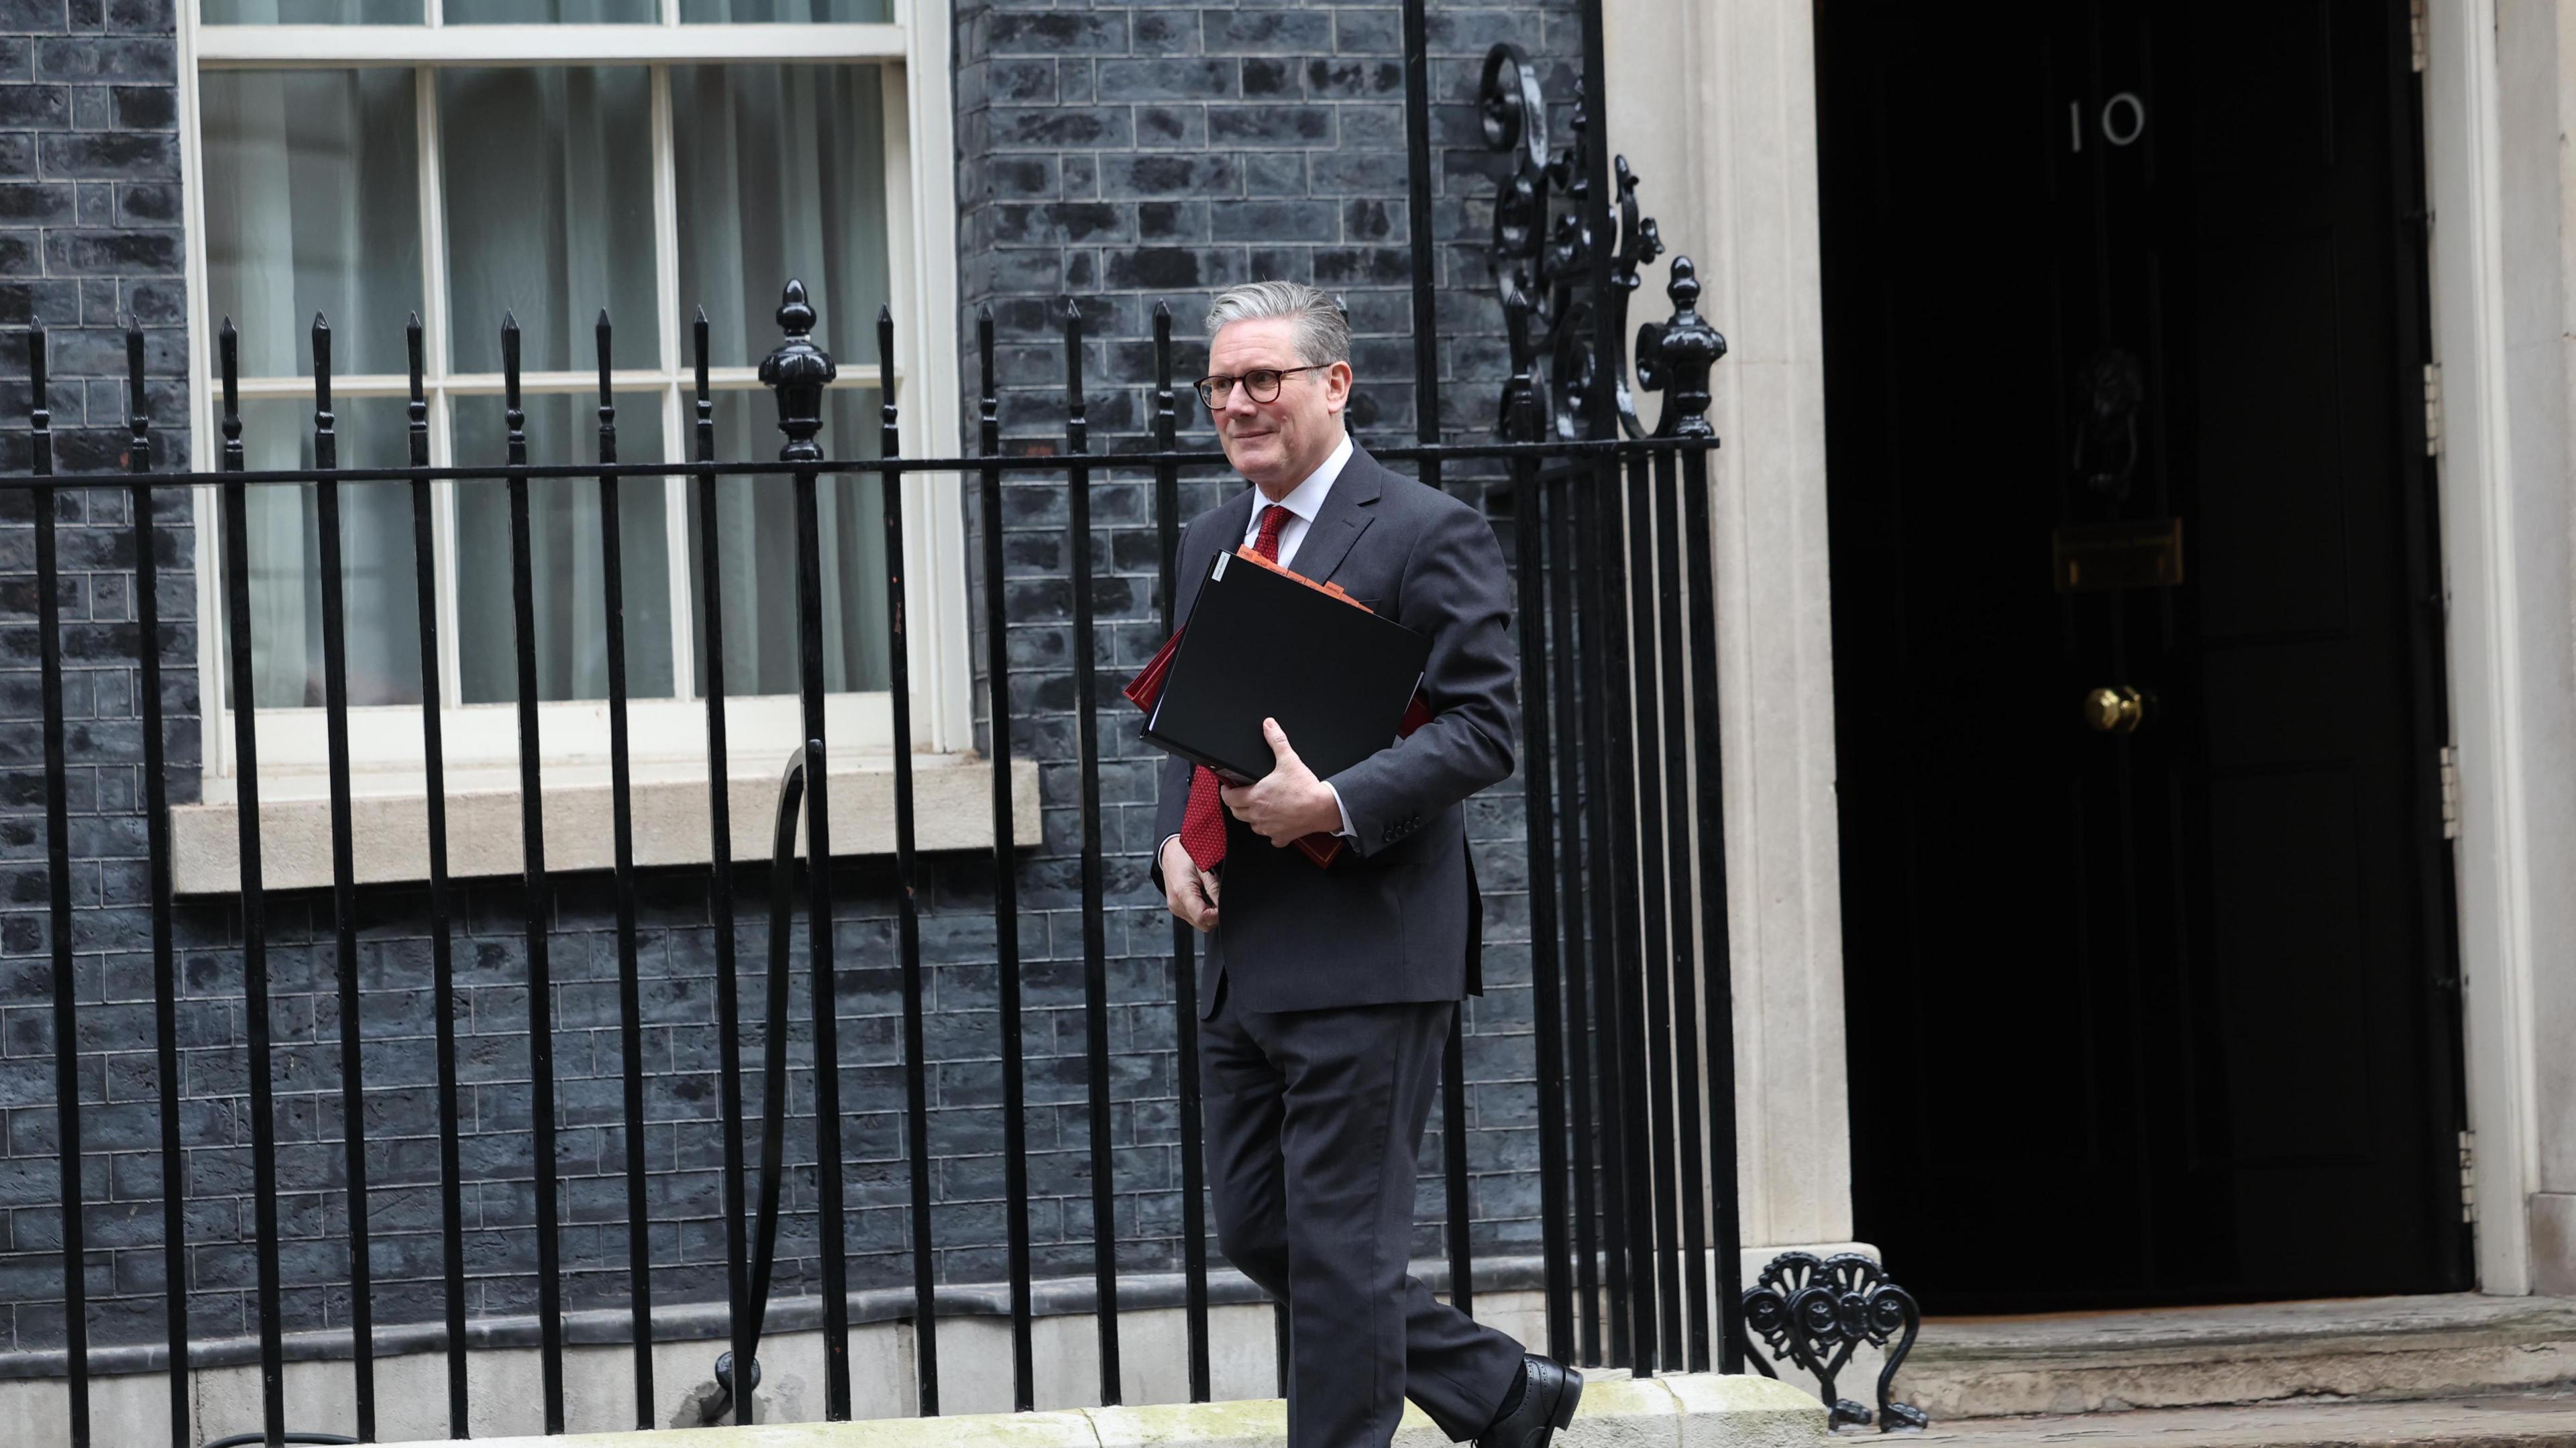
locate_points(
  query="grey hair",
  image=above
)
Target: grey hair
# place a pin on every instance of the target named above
(1323, 330)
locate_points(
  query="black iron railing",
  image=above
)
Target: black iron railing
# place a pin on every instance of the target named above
(1620, 789)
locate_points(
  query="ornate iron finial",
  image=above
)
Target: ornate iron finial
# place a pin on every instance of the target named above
(1543, 255)
(1674, 357)
(798, 372)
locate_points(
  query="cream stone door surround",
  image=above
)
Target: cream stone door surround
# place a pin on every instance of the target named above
(1713, 103)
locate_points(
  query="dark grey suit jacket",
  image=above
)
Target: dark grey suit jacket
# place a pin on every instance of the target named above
(1392, 919)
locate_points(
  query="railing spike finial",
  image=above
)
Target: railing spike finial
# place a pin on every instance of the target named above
(228, 364)
(798, 372)
(40, 416)
(326, 423)
(885, 377)
(416, 403)
(138, 420)
(1166, 398)
(988, 408)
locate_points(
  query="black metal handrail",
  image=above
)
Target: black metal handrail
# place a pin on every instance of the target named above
(773, 1104)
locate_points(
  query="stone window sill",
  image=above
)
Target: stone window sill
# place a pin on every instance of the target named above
(952, 798)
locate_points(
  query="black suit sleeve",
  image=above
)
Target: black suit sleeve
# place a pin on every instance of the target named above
(1456, 590)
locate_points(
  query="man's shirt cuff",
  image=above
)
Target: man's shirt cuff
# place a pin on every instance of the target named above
(1344, 811)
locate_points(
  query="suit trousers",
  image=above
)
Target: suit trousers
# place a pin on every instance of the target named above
(1313, 1120)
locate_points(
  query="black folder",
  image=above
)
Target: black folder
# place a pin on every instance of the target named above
(1259, 644)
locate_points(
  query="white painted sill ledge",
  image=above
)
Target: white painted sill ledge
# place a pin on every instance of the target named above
(1692, 1410)
(952, 810)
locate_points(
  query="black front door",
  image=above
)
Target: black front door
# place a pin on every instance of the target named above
(2150, 983)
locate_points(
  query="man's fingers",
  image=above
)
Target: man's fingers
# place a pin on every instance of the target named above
(1193, 901)
(1202, 916)
(1278, 738)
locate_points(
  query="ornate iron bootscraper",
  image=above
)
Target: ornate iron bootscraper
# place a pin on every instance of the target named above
(1542, 253)
(1815, 1312)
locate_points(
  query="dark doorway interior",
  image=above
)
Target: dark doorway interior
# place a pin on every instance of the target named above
(2147, 905)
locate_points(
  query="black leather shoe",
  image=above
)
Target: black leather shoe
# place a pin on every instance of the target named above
(1547, 1404)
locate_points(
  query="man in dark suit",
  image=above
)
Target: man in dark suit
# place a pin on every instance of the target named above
(1329, 992)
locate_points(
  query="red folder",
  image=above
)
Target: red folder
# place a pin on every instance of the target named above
(1147, 687)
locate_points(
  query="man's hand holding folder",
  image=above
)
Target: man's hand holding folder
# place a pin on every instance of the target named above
(1262, 643)
(1289, 803)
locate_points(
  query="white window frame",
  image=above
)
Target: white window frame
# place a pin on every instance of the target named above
(667, 735)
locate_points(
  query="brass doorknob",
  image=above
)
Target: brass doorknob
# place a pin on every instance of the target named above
(2115, 709)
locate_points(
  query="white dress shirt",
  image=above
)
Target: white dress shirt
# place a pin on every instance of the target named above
(1303, 502)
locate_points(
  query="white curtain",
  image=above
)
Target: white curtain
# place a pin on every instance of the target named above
(311, 207)
(549, 186)
(781, 174)
(567, 561)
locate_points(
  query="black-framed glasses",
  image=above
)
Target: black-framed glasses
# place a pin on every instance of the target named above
(1261, 382)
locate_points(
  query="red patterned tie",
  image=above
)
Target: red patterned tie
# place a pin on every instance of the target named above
(1203, 822)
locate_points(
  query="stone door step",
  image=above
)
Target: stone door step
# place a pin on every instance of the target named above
(2521, 1420)
(2363, 1348)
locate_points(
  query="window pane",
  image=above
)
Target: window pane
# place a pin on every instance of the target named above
(781, 173)
(313, 205)
(564, 550)
(549, 178)
(381, 608)
(792, 12)
(312, 12)
(552, 12)
(757, 526)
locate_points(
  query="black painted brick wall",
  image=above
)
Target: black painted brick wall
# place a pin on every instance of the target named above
(1118, 155)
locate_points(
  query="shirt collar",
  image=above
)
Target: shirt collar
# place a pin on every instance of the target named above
(1307, 499)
